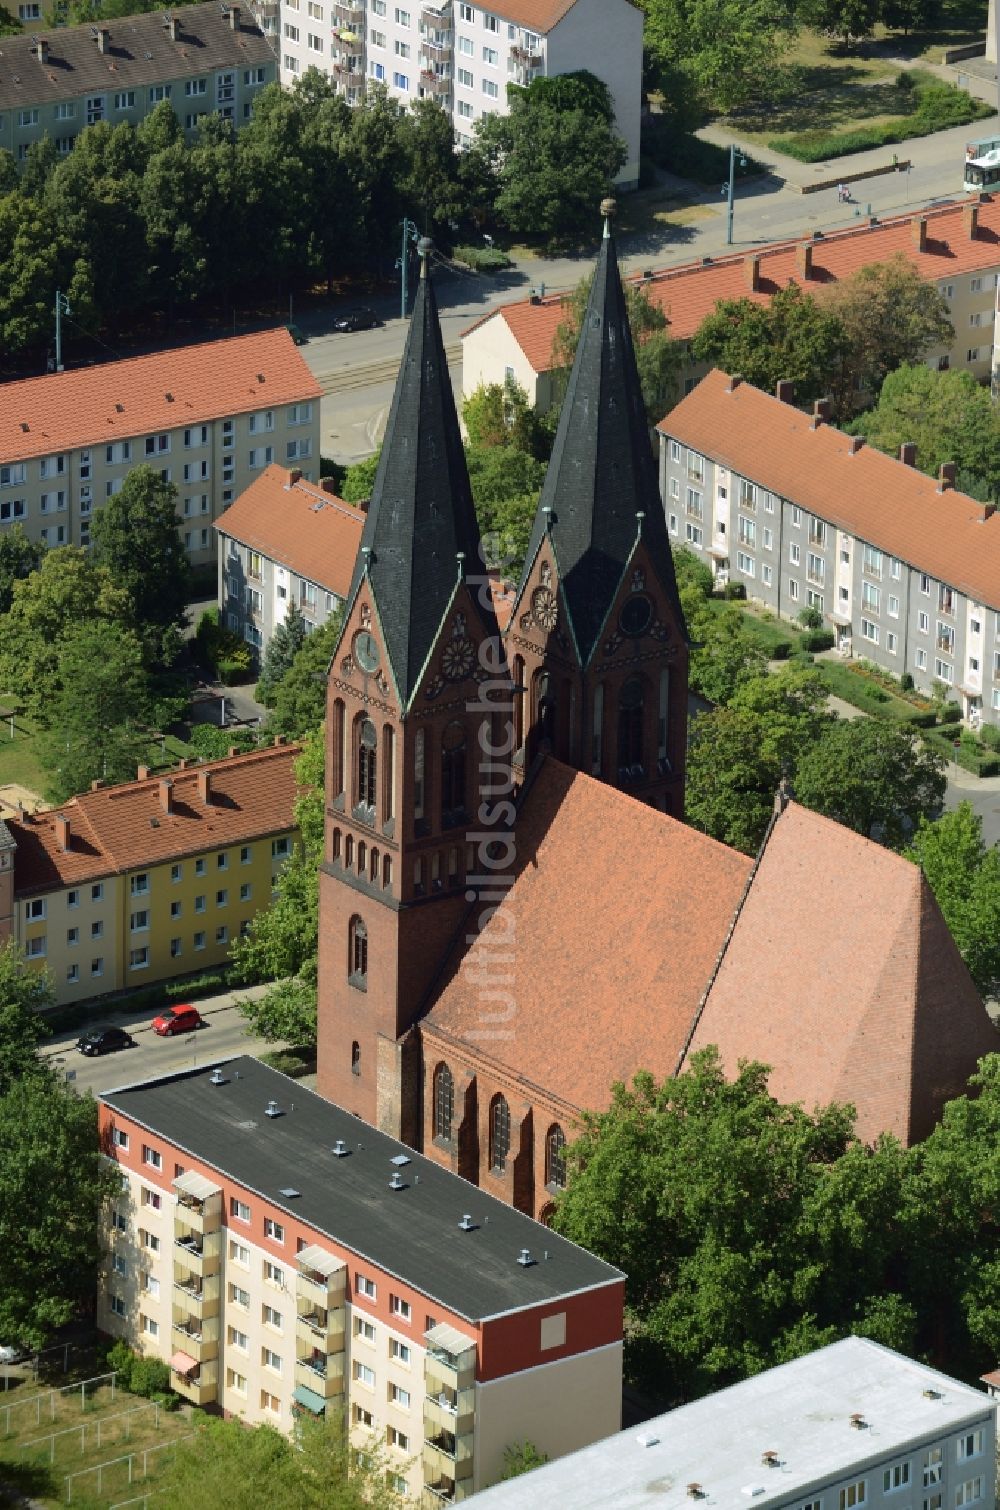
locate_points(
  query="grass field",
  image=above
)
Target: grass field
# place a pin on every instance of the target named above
(52, 1435)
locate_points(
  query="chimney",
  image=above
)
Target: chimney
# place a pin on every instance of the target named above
(234, 18)
(103, 39)
(182, 764)
(205, 788)
(233, 750)
(918, 232)
(362, 505)
(857, 441)
(62, 831)
(946, 476)
(142, 773)
(804, 259)
(95, 786)
(279, 740)
(783, 796)
(166, 788)
(908, 453)
(42, 50)
(751, 272)
(970, 220)
(294, 476)
(989, 509)
(171, 26)
(821, 411)
(734, 383)
(784, 391)
(326, 483)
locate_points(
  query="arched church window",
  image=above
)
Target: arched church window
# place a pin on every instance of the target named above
(444, 1103)
(367, 768)
(631, 709)
(357, 963)
(453, 775)
(499, 1134)
(355, 1058)
(555, 1156)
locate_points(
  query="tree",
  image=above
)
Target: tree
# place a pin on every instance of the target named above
(100, 702)
(727, 656)
(500, 414)
(519, 1458)
(52, 1182)
(300, 701)
(68, 589)
(550, 164)
(792, 337)
(134, 536)
(964, 876)
(318, 1469)
(721, 1285)
(34, 259)
(849, 19)
(431, 178)
(891, 316)
(730, 779)
(659, 358)
(281, 945)
(947, 416)
(285, 643)
(24, 995)
(506, 483)
(725, 49)
(359, 479)
(873, 776)
(19, 557)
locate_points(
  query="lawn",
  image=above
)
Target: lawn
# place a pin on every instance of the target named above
(52, 1435)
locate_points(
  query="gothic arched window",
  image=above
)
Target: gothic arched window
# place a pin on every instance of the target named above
(357, 962)
(555, 1156)
(631, 708)
(444, 1103)
(355, 1058)
(499, 1134)
(453, 775)
(367, 767)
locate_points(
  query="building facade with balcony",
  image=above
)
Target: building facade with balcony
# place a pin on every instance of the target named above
(152, 879)
(284, 1256)
(210, 419)
(465, 55)
(285, 541)
(852, 1424)
(904, 569)
(202, 59)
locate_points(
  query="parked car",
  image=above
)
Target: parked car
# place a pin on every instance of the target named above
(357, 319)
(104, 1041)
(12, 1353)
(177, 1020)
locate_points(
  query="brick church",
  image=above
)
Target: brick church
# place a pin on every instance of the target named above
(513, 914)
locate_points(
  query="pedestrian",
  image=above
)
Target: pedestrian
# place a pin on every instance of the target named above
(842, 192)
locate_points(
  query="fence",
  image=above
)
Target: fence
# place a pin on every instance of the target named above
(50, 1396)
(95, 1430)
(130, 1458)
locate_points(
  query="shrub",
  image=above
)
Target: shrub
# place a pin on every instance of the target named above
(735, 591)
(938, 106)
(166, 1399)
(906, 682)
(951, 713)
(234, 669)
(810, 618)
(685, 154)
(818, 639)
(990, 736)
(211, 742)
(780, 650)
(150, 1376)
(120, 1359)
(921, 720)
(483, 259)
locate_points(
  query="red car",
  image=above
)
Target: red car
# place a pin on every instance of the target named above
(177, 1020)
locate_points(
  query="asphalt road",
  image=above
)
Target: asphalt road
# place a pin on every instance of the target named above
(223, 1036)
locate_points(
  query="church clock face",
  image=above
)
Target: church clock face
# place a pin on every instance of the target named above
(544, 608)
(458, 659)
(366, 651)
(636, 615)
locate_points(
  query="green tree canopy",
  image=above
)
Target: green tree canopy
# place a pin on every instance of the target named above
(506, 483)
(726, 50)
(964, 876)
(285, 643)
(300, 700)
(873, 776)
(19, 557)
(134, 535)
(947, 415)
(731, 779)
(359, 479)
(24, 995)
(726, 656)
(500, 414)
(792, 337)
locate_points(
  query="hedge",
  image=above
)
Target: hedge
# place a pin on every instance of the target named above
(688, 156)
(482, 259)
(939, 106)
(818, 639)
(968, 757)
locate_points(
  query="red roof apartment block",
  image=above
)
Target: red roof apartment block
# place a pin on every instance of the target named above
(298, 524)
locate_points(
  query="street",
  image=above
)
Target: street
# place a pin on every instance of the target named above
(223, 1036)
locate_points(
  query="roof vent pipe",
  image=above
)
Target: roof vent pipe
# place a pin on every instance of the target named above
(396, 1180)
(341, 1149)
(525, 1259)
(216, 1077)
(272, 1109)
(466, 1224)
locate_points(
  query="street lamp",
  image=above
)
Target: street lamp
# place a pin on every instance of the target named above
(409, 231)
(727, 189)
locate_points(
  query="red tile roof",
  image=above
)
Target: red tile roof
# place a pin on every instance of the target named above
(186, 385)
(689, 292)
(618, 916)
(842, 975)
(118, 828)
(300, 525)
(536, 15)
(871, 495)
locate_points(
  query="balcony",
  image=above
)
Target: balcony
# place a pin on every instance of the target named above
(320, 1280)
(199, 1296)
(199, 1253)
(198, 1338)
(321, 1373)
(199, 1384)
(449, 1411)
(436, 49)
(321, 1328)
(528, 57)
(946, 646)
(445, 1491)
(347, 14)
(348, 71)
(447, 1456)
(435, 83)
(199, 1205)
(436, 18)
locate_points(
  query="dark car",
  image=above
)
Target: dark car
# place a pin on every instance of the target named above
(357, 319)
(104, 1041)
(177, 1020)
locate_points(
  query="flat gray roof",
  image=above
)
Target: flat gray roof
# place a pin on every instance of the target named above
(801, 1411)
(140, 52)
(411, 1233)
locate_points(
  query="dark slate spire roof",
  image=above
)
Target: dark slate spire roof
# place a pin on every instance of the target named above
(421, 514)
(602, 471)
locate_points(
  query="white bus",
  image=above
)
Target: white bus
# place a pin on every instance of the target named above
(982, 164)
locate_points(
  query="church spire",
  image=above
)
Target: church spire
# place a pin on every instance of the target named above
(421, 531)
(602, 474)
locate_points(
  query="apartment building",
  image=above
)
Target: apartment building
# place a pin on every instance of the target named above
(203, 59)
(465, 55)
(850, 1425)
(285, 541)
(284, 1256)
(210, 419)
(126, 885)
(904, 568)
(957, 247)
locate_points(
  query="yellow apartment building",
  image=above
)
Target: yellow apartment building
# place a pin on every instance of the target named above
(131, 884)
